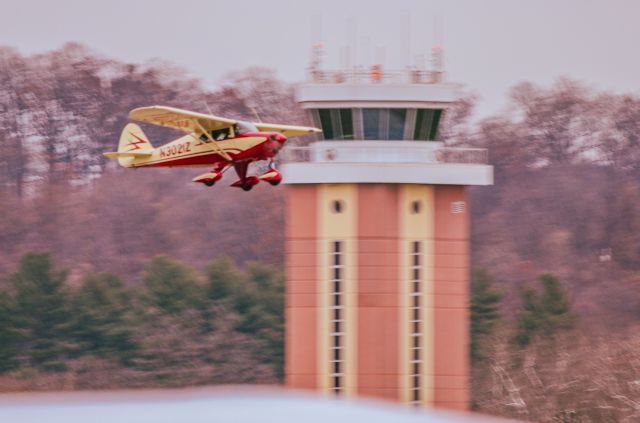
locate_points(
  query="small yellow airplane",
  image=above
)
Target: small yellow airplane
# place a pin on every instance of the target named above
(210, 141)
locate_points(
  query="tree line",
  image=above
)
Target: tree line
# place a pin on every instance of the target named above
(545, 310)
(176, 328)
(555, 317)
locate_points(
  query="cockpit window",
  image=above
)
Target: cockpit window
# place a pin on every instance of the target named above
(220, 134)
(243, 127)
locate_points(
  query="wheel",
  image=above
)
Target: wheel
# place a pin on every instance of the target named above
(276, 182)
(246, 187)
(209, 183)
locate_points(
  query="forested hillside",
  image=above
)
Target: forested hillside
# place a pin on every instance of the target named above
(565, 204)
(62, 110)
(555, 242)
(115, 279)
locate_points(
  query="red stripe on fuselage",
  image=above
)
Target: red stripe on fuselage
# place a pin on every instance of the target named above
(264, 150)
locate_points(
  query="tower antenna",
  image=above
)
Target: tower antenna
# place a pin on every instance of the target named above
(316, 28)
(408, 45)
(351, 41)
(437, 53)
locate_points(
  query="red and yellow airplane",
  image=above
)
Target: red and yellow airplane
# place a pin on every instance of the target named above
(210, 141)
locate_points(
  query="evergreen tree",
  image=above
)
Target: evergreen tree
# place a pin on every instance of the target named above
(9, 337)
(259, 298)
(484, 309)
(223, 278)
(262, 311)
(546, 312)
(529, 319)
(171, 287)
(42, 310)
(555, 303)
(103, 325)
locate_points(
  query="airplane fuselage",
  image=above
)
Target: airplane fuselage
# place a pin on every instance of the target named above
(189, 150)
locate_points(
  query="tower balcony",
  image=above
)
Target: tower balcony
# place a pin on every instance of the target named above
(396, 162)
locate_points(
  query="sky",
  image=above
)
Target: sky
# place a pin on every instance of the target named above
(489, 45)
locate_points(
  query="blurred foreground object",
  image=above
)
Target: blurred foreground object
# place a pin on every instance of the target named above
(237, 404)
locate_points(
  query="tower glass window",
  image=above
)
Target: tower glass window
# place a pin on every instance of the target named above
(325, 122)
(427, 121)
(337, 124)
(346, 120)
(379, 123)
(396, 123)
(383, 124)
(371, 123)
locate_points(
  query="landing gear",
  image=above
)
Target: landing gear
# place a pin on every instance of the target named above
(272, 176)
(209, 179)
(246, 184)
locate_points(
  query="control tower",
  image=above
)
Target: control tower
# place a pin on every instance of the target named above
(377, 239)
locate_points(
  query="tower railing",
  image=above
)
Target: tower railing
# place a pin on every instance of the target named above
(383, 152)
(361, 75)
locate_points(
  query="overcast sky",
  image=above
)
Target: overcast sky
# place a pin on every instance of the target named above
(489, 45)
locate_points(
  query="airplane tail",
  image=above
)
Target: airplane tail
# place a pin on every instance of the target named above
(133, 143)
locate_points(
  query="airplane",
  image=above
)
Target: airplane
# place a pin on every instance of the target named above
(210, 141)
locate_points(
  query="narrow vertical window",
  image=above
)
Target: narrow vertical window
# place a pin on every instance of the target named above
(327, 126)
(371, 123)
(347, 124)
(336, 288)
(436, 124)
(426, 124)
(415, 291)
(396, 123)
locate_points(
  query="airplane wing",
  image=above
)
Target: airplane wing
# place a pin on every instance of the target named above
(286, 130)
(184, 120)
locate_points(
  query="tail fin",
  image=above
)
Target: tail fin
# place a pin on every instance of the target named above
(133, 143)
